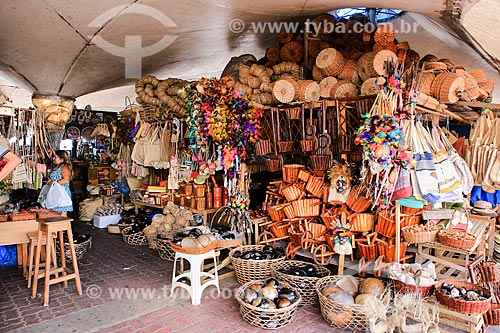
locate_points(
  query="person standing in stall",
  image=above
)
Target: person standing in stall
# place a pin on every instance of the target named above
(62, 174)
(12, 161)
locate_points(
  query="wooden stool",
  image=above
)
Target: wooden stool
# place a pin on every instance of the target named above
(33, 237)
(57, 225)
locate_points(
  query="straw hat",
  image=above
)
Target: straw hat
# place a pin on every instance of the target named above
(484, 208)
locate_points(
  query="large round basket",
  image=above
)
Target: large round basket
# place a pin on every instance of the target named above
(164, 249)
(248, 269)
(197, 250)
(139, 238)
(460, 305)
(80, 249)
(305, 285)
(411, 289)
(344, 316)
(263, 318)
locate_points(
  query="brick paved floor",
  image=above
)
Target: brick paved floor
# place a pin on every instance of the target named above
(110, 263)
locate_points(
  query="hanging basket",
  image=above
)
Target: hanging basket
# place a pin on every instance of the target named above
(320, 162)
(307, 145)
(293, 113)
(285, 146)
(263, 147)
(272, 164)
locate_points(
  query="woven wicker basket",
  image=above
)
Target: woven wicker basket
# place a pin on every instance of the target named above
(263, 147)
(197, 250)
(293, 192)
(278, 229)
(267, 319)
(459, 305)
(389, 251)
(320, 162)
(305, 285)
(492, 316)
(22, 216)
(164, 249)
(303, 175)
(369, 251)
(411, 289)
(307, 145)
(80, 249)
(4, 217)
(276, 213)
(138, 238)
(314, 186)
(229, 243)
(357, 200)
(247, 269)
(293, 113)
(285, 146)
(489, 271)
(386, 223)
(291, 172)
(117, 228)
(289, 212)
(447, 238)
(343, 316)
(418, 237)
(272, 164)
(306, 207)
(361, 222)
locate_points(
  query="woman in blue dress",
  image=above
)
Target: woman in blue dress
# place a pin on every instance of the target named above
(62, 175)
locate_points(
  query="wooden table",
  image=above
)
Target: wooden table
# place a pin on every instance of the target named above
(16, 233)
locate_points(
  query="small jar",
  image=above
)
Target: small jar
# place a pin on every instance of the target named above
(183, 200)
(200, 204)
(208, 199)
(189, 189)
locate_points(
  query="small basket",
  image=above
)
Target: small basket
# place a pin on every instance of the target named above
(489, 271)
(80, 249)
(278, 229)
(293, 192)
(369, 251)
(139, 238)
(386, 223)
(272, 164)
(248, 269)
(423, 291)
(285, 146)
(410, 219)
(459, 305)
(263, 147)
(4, 217)
(22, 216)
(307, 145)
(344, 316)
(389, 251)
(164, 249)
(314, 186)
(418, 237)
(306, 286)
(46, 213)
(320, 162)
(317, 230)
(303, 175)
(291, 172)
(276, 213)
(263, 318)
(361, 222)
(289, 212)
(293, 113)
(306, 207)
(197, 250)
(357, 200)
(117, 228)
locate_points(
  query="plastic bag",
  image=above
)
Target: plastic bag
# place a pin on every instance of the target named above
(57, 197)
(123, 185)
(42, 197)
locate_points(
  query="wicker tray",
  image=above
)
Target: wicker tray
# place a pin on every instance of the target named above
(188, 250)
(138, 238)
(411, 289)
(343, 316)
(448, 237)
(459, 305)
(22, 216)
(305, 285)
(247, 269)
(267, 319)
(164, 249)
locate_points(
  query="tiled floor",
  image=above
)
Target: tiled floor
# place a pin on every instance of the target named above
(111, 267)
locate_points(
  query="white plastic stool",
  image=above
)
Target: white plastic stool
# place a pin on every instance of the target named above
(195, 275)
